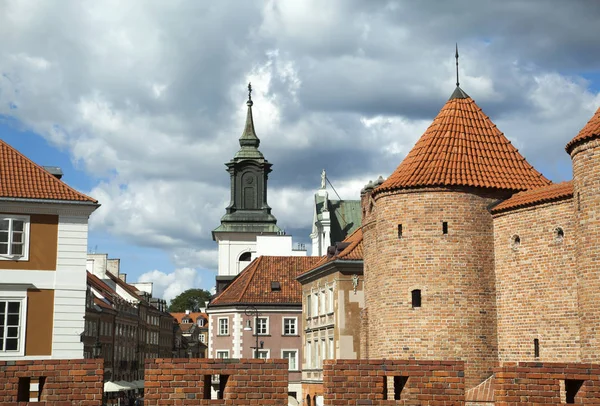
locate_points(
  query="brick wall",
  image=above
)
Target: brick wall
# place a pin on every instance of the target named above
(184, 381)
(392, 382)
(536, 284)
(528, 383)
(586, 199)
(53, 382)
(453, 271)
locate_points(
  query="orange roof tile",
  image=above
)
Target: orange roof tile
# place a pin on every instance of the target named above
(22, 178)
(589, 131)
(253, 284)
(99, 284)
(193, 315)
(353, 252)
(463, 147)
(551, 193)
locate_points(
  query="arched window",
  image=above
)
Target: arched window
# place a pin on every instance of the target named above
(246, 256)
(559, 234)
(515, 242)
(416, 298)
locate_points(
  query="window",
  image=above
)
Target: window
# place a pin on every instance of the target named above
(223, 354)
(416, 298)
(444, 227)
(399, 230)
(262, 326)
(263, 354)
(223, 326)
(559, 234)
(308, 307)
(289, 326)
(292, 357)
(14, 237)
(202, 338)
(322, 305)
(200, 322)
(536, 348)
(515, 242)
(323, 350)
(315, 305)
(331, 349)
(308, 347)
(330, 300)
(11, 326)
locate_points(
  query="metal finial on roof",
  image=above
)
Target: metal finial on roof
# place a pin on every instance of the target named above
(456, 56)
(249, 103)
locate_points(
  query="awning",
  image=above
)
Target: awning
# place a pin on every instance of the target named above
(113, 387)
(126, 385)
(139, 384)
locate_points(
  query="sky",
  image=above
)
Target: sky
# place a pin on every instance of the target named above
(142, 102)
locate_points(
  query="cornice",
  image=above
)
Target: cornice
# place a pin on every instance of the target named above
(61, 209)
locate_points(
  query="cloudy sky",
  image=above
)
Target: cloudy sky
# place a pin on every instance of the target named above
(141, 102)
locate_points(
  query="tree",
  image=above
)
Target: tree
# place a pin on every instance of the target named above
(191, 299)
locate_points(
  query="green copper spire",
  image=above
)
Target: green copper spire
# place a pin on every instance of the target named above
(249, 142)
(248, 210)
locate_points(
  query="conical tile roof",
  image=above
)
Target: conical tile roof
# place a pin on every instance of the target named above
(463, 147)
(591, 130)
(21, 178)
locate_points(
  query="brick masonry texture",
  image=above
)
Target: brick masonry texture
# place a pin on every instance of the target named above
(181, 381)
(532, 383)
(67, 382)
(536, 284)
(457, 319)
(371, 382)
(586, 196)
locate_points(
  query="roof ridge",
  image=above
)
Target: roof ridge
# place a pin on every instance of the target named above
(250, 277)
(51, 178)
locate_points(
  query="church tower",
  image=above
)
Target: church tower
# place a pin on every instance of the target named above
(248, 215)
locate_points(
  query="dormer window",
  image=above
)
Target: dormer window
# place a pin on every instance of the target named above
(275, 286)
(14, 238)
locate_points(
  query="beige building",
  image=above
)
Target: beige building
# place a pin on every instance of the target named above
(332, 299)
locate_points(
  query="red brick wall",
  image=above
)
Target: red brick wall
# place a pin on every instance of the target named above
(536, 284)
(361, 382)
(67, 382)
(181, 381)
(586, 203)
(528, 383)
(457, 320)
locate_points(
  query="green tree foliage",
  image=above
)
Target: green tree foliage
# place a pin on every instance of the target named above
(191, 299)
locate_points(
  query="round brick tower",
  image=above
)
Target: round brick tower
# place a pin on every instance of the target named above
(585, 154)
(428, 242)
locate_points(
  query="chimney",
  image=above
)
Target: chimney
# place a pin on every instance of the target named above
(123, 277)
(187, 312)
(54, 171)
(114, 266)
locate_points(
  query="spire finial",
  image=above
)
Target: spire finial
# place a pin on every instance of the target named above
(456, 56)
(249, 102)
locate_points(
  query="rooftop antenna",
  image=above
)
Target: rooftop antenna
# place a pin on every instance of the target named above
(456, 56)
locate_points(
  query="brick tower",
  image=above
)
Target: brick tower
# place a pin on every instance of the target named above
(428, 242)
(585, 154)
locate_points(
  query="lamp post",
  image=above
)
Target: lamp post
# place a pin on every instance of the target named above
(252, 311)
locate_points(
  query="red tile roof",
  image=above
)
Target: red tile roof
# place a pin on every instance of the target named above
(589, 131)
(99, 284)
(253, 284)
(353, 252)
(551, 193)
(130, 289)
(463, 147)
(193, 315)
(22, 178)
(102, 303)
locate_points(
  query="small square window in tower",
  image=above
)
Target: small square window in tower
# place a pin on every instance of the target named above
(416, 298)
(399, 230)
(444, 227)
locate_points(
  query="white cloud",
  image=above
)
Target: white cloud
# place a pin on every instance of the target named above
(149, 97)
(169, 285)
